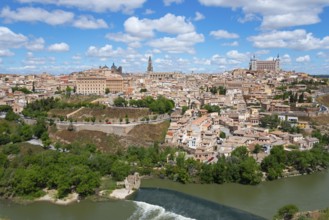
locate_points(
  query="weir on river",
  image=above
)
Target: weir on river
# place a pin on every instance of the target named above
(308, 192)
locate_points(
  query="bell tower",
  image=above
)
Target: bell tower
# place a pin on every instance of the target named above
(150, 66)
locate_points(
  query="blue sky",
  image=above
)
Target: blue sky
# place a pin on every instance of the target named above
(201, 36)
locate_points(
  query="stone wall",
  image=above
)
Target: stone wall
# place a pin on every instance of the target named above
(121, 130)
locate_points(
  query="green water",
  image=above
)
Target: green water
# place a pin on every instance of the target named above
(84, 210)
(307, 192)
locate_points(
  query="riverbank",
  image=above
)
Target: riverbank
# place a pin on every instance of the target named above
(312, 215)
(121, 193)
(130, 184)
(51, 196)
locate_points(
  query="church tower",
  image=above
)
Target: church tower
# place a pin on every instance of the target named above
(149, 66)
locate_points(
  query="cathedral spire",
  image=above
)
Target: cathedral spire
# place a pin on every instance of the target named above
(149, 66)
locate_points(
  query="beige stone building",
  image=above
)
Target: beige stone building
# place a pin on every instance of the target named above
(114, 83)
(265, 65)
(97, 81)
(91, 85)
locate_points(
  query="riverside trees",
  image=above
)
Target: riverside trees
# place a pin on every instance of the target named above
(302, 161)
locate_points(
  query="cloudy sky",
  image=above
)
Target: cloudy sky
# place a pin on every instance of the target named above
(62, 36)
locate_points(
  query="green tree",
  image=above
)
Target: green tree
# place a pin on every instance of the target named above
(107, 91)
(21, 89)
(5, 108)
(4, 139)
(206, 173)
(301, 98)
(11, 116)
(286, 212)
(40, 127)
(120, 102)
(120, 170)
(274, 164)
(250, 172)
(270, 121)
(33, 86)
(222, 135)
(184, 109)
(240, 152)
(257, 149)
(68, 91)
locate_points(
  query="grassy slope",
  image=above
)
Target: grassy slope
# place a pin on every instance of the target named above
(150, 132)
(111, 113)
(141, 135)
(324, 100)
(104, 142)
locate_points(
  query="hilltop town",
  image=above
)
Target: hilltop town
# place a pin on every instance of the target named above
(261, 106)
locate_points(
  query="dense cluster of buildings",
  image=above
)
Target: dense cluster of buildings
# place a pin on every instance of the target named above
(250, 94)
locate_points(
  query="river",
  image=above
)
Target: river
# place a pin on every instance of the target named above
(227, 201)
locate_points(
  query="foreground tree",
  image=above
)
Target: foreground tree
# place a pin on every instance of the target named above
(286, 212)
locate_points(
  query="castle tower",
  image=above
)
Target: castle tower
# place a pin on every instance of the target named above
(149, 66)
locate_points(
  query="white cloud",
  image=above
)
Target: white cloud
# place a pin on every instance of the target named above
(261, 52)
(89, 22)
(249, 17)
(168, 24)
(217, 59)
(55, 17)
(77, 57)
(231, 44)
(321, 54)
(276, 14)
(183, 43)
(286, 59)
(198, 16)
(169, 2)
(105, 52)
(126, 6)
(30, 14)
(148, 11)
(297, 39)
(6, 53)
(219, 34)
(125, 38)
(235, 55)
(303, 59)
(140, 28)
(37, 44)
(59, 47)
(31, 60)
(201, 61)
(9, 39)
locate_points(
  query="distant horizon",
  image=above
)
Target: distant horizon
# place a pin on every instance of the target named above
(201, 36)
(59, 74)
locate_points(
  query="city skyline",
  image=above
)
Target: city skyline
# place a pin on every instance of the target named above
(202, 36)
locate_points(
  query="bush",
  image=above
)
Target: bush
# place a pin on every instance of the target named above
(286, 212)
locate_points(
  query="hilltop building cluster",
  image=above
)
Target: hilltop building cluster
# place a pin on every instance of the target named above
(222, 111)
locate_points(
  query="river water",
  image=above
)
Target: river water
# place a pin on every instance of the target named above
(162, 199)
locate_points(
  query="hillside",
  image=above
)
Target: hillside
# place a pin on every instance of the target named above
(141, 135)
